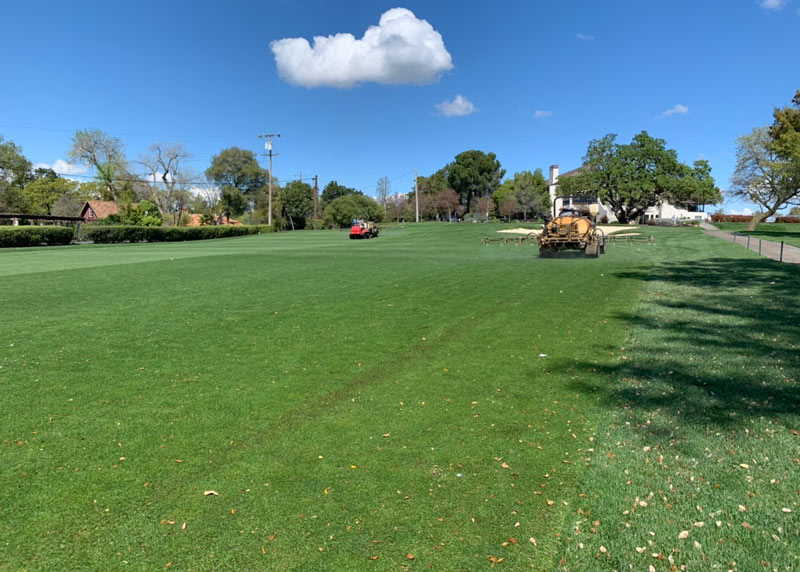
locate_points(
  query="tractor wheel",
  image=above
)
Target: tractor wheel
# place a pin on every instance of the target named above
(545, 252)
(591, 250)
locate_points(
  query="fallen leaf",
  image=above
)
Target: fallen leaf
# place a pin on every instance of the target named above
(179, 460)
(746, 525)
(787, 510)
(512, 540)
(387, 434)
(233, 511)
(550, 503)
(183, 526)
(683, 535)
(504, 465)
(210, 493)
(410, 556)
(532, 540)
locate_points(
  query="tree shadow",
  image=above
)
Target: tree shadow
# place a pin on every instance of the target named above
(717, 341)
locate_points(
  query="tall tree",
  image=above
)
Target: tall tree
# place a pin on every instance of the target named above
(163, 165)
(448, 203)
(762, 176)
(433, 184)
(103, 152)
(334, 190)
(14, 173)
(297, 203)
(474, 174)
(382, 190)
(634, 177)
(43, 193)
(343, 210)
(530, 190)
(237, 168)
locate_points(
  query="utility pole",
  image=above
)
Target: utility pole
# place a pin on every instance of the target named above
(268, 147)
(416, 192)
(316, 192)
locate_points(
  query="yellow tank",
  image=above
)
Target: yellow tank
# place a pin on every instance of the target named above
(570, 231)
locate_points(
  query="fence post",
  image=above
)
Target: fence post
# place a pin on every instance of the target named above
(759, 247)
(781, 258)
(748, 242)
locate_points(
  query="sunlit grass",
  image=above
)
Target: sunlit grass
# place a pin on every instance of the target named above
(353, 403)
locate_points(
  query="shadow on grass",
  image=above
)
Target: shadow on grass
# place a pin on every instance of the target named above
(717, 341)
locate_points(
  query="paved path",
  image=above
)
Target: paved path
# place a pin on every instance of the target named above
(791, 254)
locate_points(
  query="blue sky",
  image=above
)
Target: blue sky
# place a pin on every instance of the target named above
(537, 79)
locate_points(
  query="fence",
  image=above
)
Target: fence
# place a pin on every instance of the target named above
(746, 241)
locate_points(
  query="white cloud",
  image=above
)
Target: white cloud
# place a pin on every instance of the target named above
(63, 168)
(457, 107)
(585, 37)
(675, 110)
(542, 114)
(774, 5)
(400, 49)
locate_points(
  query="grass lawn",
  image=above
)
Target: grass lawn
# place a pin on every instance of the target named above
(776, 232)
(419, 401)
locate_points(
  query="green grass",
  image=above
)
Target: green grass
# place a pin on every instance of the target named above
(359, 399)
(776, 232)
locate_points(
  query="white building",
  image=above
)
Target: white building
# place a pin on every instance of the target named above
(665, 210)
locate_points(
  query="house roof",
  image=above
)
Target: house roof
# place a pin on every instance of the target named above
(572, 173)
(101, 208)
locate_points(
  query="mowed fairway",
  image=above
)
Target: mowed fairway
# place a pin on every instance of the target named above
(418, 401)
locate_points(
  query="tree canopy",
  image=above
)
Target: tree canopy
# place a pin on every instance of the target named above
(474, 174)
(237, 168)
(644, 173)
(342, 211)
(334, 190)
(529, 190)
(106, 154)
(14, 170)
(297, 203)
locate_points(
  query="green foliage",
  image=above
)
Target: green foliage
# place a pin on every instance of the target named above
(474, 174)
(106, 154)
(343, 210)
(43, 193)
(14, 169)
(434, 184)
(631, 178)
(785, 131)
(529, 190)
(762, 176)
(334, 190)
(297, 203)
(117, 234)
(239, 169)
(233, 200)
(35, 235)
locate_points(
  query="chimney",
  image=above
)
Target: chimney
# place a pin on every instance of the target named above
(553, 174)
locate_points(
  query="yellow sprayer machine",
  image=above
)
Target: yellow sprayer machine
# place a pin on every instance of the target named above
(571, 231)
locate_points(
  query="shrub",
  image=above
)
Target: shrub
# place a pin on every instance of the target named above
(730, 218)
(36, 235)
(115, 234)
(788, 219)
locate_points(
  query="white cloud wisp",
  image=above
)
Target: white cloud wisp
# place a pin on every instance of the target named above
(456, 107)
(401, 49)
(585, 37)
(542, 114)
(675, 110)
(774, 5)
(64, 168)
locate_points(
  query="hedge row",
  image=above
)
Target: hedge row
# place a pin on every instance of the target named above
(788, 219)
(730, 218)
(113, 234)
(35, 235)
